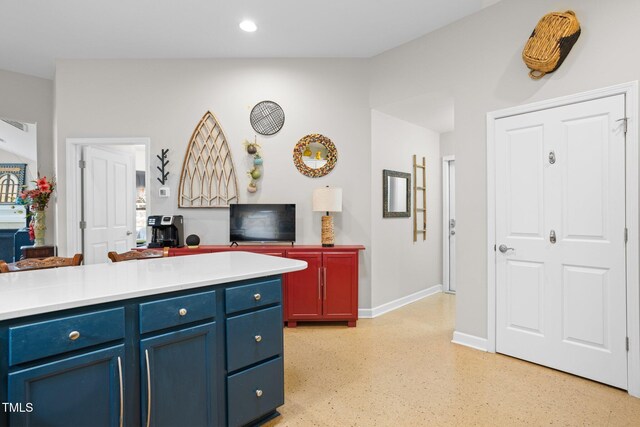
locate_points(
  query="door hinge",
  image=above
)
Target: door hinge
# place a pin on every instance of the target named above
(627, 343)
(626, 234)
(83, 225)
(625, 122)
(82, 164)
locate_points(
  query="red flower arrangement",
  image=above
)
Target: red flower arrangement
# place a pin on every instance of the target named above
(38, 198)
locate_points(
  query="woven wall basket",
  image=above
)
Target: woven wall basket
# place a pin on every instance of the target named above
(550, 42)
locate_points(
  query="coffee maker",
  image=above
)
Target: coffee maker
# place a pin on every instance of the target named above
(166, 231)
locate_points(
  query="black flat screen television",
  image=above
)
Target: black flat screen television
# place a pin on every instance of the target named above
(262, 223)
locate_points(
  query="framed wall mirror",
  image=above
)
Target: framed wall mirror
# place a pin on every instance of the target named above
(315, 155)
(396, 194)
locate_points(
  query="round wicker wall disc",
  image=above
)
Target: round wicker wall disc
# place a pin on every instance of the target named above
(267, 118)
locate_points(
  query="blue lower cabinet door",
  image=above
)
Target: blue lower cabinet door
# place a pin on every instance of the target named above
(83, 390)
(178, 378)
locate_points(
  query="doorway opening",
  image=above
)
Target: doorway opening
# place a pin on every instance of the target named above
(449, 224)
(107, 195)
(18, 168)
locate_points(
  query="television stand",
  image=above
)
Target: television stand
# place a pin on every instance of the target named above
(233, 244)
(326, 291)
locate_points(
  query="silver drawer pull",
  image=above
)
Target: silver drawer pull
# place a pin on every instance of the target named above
(182, 312)
(259, 393)
(257, 297)
(258, 338)
(74, 335)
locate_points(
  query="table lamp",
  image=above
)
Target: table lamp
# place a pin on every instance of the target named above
(328, 199)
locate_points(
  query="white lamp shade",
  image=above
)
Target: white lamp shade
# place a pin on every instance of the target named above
(327, 199)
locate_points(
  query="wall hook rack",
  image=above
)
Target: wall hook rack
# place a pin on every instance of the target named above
(164, 162)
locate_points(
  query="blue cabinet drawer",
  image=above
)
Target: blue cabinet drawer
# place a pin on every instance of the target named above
(255, 392)
(176, 311)
(37, 340)
(253, 337)
(253, 295)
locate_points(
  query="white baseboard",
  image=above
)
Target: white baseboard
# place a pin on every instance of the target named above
(470, 341)
(369, 313)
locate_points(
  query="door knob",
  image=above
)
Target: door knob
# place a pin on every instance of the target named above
(129, 233)
(452, 232)
(504, 248)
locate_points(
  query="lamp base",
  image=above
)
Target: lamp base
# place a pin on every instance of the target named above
(328, 238)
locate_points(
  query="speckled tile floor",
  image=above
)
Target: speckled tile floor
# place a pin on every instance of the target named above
(401, 369)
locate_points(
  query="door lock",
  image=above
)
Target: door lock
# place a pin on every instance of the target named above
(552, 236)
(552, 157)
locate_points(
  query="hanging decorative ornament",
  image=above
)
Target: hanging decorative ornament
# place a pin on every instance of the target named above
(255, 160)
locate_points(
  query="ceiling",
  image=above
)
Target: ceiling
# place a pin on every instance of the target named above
(36, 33)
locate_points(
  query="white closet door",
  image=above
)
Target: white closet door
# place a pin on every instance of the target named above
(109, 203)
(560, 206)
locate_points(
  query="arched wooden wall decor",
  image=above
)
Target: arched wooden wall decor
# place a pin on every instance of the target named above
(208, 179)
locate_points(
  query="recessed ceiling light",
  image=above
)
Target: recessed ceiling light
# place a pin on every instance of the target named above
(248, 26)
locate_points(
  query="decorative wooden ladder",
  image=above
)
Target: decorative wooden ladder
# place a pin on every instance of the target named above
(423, 191)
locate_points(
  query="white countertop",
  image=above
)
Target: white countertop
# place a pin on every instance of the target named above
(41, 291)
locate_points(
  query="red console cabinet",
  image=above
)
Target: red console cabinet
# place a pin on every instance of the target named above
(327, 290)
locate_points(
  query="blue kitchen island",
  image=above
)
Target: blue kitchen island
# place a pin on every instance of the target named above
(181, 341)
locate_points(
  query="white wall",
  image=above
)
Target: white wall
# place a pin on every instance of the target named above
(447, 144)
(165, 99)
(400, 267)
(478, 60)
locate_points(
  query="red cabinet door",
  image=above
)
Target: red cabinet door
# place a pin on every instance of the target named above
(304, 293)
(340, 279)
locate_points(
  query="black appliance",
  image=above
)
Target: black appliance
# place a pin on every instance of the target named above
(166, 231)
(262, 223)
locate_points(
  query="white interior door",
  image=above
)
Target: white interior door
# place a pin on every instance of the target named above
(109, 202)
(449, 223)
(452, 226)
(560, 232)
